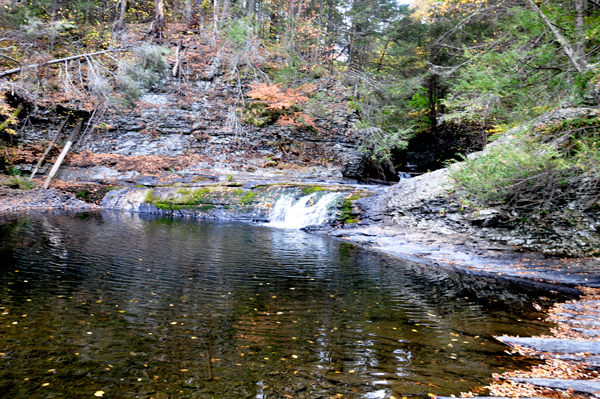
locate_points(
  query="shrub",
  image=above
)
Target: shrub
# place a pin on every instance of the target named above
(19, 182)
(141, 73)
(379, 144)
(549, 165)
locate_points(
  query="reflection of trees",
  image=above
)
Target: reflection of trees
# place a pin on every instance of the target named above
(249, 290)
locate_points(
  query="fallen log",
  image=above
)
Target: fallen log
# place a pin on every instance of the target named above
(64, 152)
(176, 67)
(62, 126)
(56, 61)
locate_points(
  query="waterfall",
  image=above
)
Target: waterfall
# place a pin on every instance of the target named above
(313, 209)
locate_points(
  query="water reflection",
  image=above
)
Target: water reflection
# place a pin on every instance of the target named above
(152, 307)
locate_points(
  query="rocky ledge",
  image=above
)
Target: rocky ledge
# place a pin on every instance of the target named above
(430, 203)
(16, 200)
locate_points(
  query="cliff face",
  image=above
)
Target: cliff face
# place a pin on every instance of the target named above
(198, 118)
(431, 202)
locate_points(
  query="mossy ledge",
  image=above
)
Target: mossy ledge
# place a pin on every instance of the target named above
(224, 201)
(348, 212)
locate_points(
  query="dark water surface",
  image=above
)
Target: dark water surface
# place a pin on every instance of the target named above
(159, 308)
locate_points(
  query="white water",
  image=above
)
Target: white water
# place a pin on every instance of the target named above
(306, 211)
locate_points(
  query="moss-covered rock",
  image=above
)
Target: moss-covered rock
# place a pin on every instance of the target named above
(223, 201)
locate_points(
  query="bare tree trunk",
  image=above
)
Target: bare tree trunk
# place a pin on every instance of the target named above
(300, 4)
(52, 18)
(50, 145)
(159, 19)
(432, 89)
(387, 43)
(291, 27)
(225, 10)
(578, 61)
(250, 10)
(121, 22)
(317, 48)
(274, 26)
(579, 6)
(330, 33)
(188, 12)
(216, 20)
(177, 59)
(558, 36)
(63, 154)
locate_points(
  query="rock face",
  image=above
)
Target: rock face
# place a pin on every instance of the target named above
(223, 201)
(428, 202)
(204, 123)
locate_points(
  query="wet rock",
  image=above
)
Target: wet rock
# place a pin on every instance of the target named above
(582, 323)
(588, 332)
(583, 386)
(489, 218)
(555, 345)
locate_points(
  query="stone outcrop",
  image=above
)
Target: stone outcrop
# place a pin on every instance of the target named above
(429, 203)
(203, 123)
(220, 201)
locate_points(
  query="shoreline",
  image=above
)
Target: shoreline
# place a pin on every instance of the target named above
(571, 277)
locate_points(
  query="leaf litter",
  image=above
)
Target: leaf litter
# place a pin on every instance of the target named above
(586, 308)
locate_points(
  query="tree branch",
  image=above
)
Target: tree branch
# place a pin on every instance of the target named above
(56, 61)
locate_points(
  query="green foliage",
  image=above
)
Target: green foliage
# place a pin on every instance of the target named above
(539, 169)
(287, 74)
(17, 181)
(346, 215)
(35, 28)
(14, 171)
(519, 75)
(489, 177)
(143, 71)
(83, 194)
(239, 33)
(379, 144)
(202, 199)
(259, 114)
(311, 189)
(420, 104)
(247, 198)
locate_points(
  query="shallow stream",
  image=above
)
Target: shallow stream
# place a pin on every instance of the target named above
(129, 307)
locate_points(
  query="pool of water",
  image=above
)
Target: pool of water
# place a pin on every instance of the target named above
(160, 308)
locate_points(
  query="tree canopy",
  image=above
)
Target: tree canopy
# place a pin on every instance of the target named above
(409, 68)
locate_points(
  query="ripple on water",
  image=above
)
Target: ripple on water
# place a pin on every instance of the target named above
(135, 306)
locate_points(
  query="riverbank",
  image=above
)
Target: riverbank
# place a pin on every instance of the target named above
(18, 200)
(473, 256)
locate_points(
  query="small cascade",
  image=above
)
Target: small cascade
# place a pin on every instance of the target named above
(313, 209)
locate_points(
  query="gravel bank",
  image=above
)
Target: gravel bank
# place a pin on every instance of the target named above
(19, 200)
